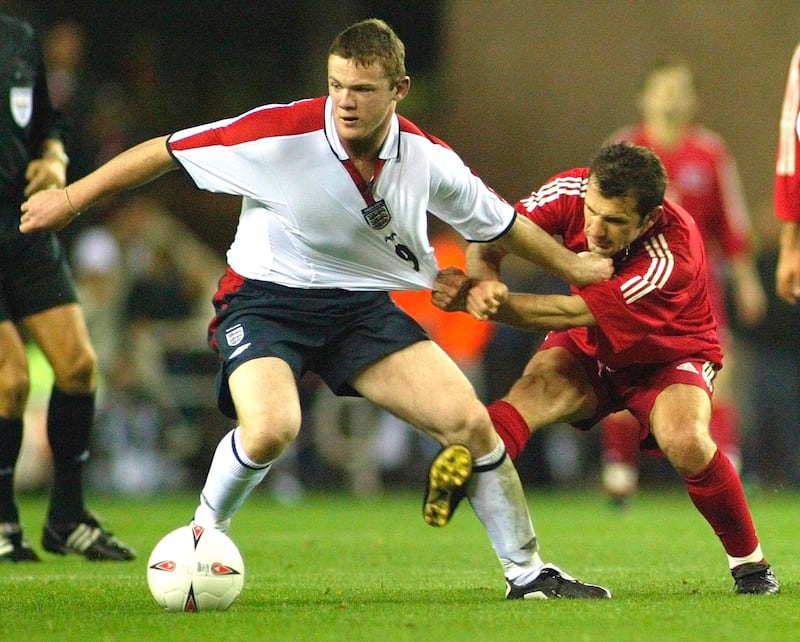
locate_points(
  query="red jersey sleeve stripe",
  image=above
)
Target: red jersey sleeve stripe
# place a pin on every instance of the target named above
(273, 120)
(661, 267)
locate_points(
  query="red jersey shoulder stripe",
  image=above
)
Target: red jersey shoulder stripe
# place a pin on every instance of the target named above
(554, 189)
(407, 127)
(299, 117)
(662, 264)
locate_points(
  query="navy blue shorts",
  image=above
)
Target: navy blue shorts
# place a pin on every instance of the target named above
(331, 332)
(34, 275)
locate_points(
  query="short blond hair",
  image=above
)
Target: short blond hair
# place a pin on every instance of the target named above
(371, 42)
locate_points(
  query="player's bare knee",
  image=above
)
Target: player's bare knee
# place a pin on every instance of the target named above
(78, 375)
(264, 442)
(472, 428)
(263, 448)
(547, 397)
(688, 450)
(14, 384)
(14, 394)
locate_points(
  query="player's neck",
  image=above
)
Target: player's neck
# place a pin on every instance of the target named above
(667, 134)
(364, 151)
(365, 165)
(364, 155)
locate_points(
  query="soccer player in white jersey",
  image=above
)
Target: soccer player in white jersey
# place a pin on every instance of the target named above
(335, 196)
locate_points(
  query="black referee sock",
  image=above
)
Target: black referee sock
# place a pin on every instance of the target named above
(10, 444)
(69, 424)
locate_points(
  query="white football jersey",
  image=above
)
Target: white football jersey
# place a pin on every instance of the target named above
(304, 221)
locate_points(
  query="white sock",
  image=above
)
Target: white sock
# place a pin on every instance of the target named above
(231, 477)
(756, 556)
(496, 495)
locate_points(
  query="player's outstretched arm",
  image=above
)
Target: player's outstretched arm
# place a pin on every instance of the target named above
(529, 241)
(453, 291)
(52, 209)
(536, 312)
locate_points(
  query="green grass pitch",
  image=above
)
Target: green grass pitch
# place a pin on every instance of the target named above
(341, 569)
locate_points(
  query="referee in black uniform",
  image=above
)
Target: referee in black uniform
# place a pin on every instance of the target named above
(38, 302)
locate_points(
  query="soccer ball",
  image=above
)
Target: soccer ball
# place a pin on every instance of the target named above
(195, 569)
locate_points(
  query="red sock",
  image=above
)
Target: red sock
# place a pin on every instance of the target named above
(511, 427)
(717, 493)
(621, 439)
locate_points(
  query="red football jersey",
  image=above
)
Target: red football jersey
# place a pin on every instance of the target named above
(656, 307)
(787, 178)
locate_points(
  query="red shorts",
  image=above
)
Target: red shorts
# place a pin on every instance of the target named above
(633, 388)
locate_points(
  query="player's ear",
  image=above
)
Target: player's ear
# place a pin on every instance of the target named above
(653, 216)
(401, 88)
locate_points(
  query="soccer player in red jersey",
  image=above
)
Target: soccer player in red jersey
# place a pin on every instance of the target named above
(704, 180)
(787, 188)
(644, 341)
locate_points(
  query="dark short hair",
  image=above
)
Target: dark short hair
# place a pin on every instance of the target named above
(625, 169)
(372, 42)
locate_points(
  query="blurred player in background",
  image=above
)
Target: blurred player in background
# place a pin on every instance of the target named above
(644, 341)
(336, 191)
(38, 302)
(787, 188)
(704, 180)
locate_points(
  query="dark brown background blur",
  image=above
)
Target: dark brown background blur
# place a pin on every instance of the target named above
(521, 89)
